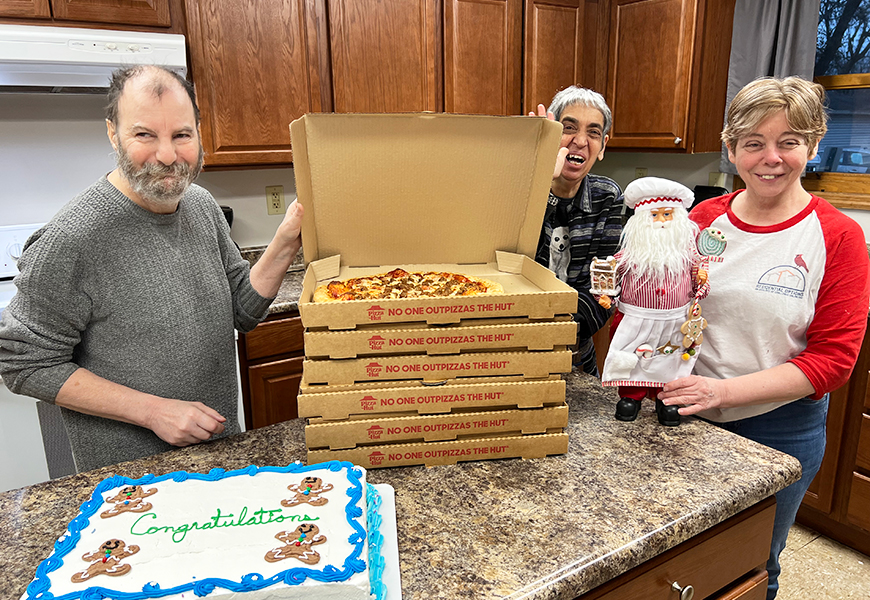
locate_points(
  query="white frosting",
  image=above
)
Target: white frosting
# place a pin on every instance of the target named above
(225, 553)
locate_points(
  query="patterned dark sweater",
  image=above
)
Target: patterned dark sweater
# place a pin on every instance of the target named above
(593, 221)
(145, 300)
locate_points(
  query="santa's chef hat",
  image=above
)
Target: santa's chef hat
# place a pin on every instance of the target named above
(655, 192)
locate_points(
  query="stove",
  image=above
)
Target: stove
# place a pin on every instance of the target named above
(12, 239)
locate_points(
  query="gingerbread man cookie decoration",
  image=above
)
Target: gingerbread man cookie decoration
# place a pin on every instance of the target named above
(106, 560)
(129, 499)
(693, 330)
(299, 544)
(308, 492)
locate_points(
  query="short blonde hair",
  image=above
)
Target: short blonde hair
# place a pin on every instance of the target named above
(803, 102)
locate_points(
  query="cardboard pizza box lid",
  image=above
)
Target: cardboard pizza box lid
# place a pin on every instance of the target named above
(420, 188)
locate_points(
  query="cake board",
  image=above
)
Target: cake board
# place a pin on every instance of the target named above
(390, 550)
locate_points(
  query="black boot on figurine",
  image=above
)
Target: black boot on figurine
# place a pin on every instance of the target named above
(627, 409)
(669, 416)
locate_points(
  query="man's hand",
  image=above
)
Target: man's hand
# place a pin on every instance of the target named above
(183, 423)
(563, 152)
(176, 422)
(605, 302)
(288, 233)
(268, 273)
(702, 276)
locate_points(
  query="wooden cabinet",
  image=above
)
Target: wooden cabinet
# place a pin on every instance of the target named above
(270, 362)
(837, 503)
(383, 55)
(483, 56)
(566, 44)
(257, 66)
(725, 562)
(255, 69)
(37, 9)
(667, 73)
(152, 13)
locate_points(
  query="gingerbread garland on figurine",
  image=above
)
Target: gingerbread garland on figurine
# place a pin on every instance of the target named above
(659, 276)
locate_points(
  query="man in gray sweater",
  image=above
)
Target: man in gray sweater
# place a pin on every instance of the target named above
(128, 298)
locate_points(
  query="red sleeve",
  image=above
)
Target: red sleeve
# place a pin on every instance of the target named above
(835, 335)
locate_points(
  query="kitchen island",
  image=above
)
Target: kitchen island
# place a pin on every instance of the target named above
(557, 527)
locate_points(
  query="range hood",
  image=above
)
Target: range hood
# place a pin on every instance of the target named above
(34, 58)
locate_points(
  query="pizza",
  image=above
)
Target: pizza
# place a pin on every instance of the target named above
(399, 283)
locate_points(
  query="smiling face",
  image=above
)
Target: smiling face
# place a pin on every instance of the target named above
(583, 136)
(158, 146)
(771, 159)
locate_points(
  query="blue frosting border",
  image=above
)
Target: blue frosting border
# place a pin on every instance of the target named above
(39, 588)
(377, 562)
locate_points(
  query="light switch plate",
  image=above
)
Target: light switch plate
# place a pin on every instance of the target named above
(12, 238)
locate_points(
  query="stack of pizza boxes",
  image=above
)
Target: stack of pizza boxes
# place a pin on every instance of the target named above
(431, 380)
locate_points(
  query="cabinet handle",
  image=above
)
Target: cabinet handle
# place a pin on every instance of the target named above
(686, 593)
(677, 140)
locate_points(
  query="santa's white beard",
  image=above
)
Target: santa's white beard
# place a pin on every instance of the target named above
(655, 247)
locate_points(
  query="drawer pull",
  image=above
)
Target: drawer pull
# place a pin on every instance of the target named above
(686, 593)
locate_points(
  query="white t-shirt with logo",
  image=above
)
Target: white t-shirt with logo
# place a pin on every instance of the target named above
(792, 292)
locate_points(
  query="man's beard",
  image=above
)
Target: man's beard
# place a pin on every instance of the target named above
(158, 183)
(647, 247)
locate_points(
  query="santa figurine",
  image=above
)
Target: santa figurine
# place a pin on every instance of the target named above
(657, 327)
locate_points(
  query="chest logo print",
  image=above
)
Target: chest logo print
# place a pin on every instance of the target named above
(785, 280)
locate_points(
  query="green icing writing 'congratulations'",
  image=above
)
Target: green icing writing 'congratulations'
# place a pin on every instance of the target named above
(178, 532)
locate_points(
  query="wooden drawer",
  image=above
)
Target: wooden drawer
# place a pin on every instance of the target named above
(862, 456)
(858, 510)
(753, 587)
(272, 338)
(733, 551)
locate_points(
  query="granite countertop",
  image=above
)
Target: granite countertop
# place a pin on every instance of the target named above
(533, 529)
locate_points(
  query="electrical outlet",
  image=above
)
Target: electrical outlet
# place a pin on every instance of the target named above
(275, 200)
(640, 172)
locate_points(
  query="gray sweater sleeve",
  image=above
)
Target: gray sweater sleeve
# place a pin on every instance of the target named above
(249, 307)
(44, 320)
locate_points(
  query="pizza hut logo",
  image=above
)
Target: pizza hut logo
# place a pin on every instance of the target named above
(375, 432)
(368, 403)
(376, 342)
(374, 369)
(375, 313)
(376, 458)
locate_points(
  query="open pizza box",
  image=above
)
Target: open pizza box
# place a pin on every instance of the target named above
(433, 428)
(420, 338)
(373, 399)
(449, 452)
(423, 191)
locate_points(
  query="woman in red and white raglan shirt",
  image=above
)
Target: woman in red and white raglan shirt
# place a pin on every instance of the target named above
(788, 304)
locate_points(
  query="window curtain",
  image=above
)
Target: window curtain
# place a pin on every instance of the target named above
(771, 38)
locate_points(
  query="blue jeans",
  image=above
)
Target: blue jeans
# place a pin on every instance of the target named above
(798, 429)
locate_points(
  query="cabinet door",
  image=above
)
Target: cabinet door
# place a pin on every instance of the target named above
(128, 12)
(384, 55)
(274, 387)
(253, 74)
(566, 44)
(820, 494)
(650, 68)
(25, 8)
(483, 56)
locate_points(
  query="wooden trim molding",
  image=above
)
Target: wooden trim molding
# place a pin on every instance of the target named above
(843, 190)
(844, 82)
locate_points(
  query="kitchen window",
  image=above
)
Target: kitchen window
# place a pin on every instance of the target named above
(841, 170)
